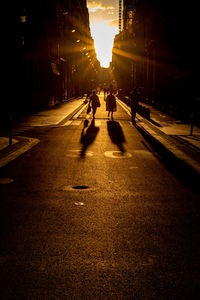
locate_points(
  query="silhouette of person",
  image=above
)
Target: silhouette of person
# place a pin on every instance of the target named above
(116, 134)
(88, 135)
(94, 100)
(111, 104)
(134, 98)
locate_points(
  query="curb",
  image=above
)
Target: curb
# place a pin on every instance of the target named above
(71, 115)
(24, 144)
(164, 144)
(169, 148)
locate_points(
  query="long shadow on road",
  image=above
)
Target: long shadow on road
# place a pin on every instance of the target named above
(116, 134)
(88, 135)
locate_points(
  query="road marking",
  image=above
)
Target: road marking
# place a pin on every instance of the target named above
(77, 153)
(117, 154)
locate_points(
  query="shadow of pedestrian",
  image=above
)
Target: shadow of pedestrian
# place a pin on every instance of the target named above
(88, 135)
(116, 134)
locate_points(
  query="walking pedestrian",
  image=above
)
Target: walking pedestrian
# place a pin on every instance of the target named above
(94, 100)
(134, 99)
(111, 104)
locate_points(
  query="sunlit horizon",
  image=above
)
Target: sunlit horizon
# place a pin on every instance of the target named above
(103, 35)
(103, 16)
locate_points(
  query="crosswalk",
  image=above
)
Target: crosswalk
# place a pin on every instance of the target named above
(23, 129)
(97, 123)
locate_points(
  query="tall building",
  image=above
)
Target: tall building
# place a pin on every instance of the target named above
(158, 52)
(52, 37)
(129, 7)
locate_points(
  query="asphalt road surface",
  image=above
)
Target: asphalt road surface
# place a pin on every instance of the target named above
(93, 212)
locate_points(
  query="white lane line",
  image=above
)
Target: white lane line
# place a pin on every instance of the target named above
(78, 153)
(117, 154)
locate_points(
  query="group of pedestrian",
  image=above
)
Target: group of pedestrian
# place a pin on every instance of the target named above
(111, 105)
(94, 102)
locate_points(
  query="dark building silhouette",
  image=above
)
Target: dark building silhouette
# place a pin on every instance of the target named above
(51, 38)
(158, 52)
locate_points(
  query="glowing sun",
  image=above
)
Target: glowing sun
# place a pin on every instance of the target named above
(103, 35)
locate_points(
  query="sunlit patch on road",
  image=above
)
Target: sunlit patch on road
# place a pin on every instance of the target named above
(117, 154)
(6, 180)
(97, 123)
(78, 153)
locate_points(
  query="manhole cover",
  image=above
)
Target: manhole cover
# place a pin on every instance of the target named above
(80, 187)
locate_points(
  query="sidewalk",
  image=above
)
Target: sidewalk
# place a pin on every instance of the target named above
(171, 136)
(173, 127)
(50, 117)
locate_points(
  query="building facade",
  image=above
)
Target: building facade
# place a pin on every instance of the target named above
(52, 38)
(157, 52)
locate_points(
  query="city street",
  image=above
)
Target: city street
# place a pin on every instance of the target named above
(93, 212)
